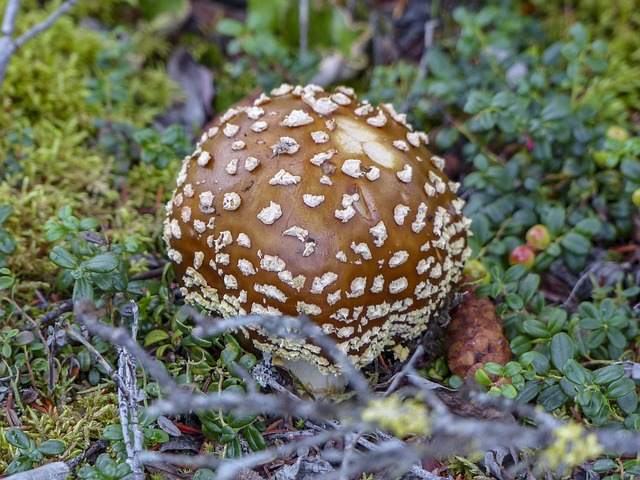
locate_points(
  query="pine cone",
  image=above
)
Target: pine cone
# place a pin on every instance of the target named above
(474, 336)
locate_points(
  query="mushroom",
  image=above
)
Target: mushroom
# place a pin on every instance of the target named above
(310, 203)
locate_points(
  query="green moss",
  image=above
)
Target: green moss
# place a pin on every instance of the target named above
(56, 89)
(78, 425)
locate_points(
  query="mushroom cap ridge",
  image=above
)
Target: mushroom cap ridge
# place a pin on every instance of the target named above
(309, 203)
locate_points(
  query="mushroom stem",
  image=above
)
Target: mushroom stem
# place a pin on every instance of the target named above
(312, 378)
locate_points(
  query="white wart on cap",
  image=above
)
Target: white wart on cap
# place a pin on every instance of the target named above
(308, 202)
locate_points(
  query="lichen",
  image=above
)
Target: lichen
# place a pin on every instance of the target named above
(571, 446)
(400, 417)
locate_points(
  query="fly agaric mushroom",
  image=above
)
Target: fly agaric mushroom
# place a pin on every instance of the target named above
(307, 202)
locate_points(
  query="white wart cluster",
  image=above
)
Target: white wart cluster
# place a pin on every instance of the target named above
(308, 202)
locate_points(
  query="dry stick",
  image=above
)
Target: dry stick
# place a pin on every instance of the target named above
(286, 327)
(128, 401)
(406, 370)
(86, 315)
(96, 355)
(229, 469)
(453, 433)
(63, 307)
(355, 439)
(9, 46)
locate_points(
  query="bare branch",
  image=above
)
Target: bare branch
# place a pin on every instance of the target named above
(286, 327)
(38, 29)
(9, 19)
(9, 45)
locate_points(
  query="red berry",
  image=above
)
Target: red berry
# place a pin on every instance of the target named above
(522, 255)
(539, 237)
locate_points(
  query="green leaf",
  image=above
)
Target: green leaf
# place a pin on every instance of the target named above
(555, 220)
(608, 374)
(204, 474)
(514, 301)
(65, 212)
(229, 355)
(604, 465)
(230, 27)
(537, 360)
(228, 434)
(5, 213)
(630, 168)
(247, 361)
(63, 258)
(19, 464)
(503, 99)
(17, 438)
(558, 107)
(588, 310)
(482, 378)
(54, 231)
(529, 392)
(514, 273)
(103, 263)
(83, 289)
(7, 242)
(576, 243)
(23, 338)
(494, 368)
(112, 433)
(562, 349)
(574, 372)
(234, 449)
(254, 438)
(89, 224)
(511, 369)
(52, 447)
(535, 328)
(557, 320)
(476, 101)
(616, 338)
(5, 282)
(621, 387)
(106, 465)
(239, 421)
(628, 403)
(154, 436)
(579, 33)
(145, 418)
(589, 226)
(528, 287)
(508, 391)
(485, 120)
(155, 336)
(551, 398)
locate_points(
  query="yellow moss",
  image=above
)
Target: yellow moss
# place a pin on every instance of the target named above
(400, 417)
(571, 446)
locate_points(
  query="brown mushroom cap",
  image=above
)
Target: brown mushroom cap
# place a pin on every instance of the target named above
(310, 203)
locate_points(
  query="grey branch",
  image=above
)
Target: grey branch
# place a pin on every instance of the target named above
(357, 446)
